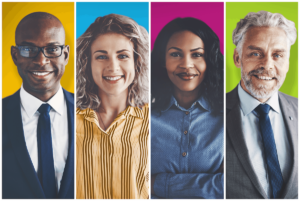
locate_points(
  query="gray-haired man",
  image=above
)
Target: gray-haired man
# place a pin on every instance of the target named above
(262, 130)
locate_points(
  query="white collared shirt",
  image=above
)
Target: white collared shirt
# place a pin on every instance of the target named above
(59, 129)
(253, 139)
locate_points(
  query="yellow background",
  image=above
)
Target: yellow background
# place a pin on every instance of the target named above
(12, 13)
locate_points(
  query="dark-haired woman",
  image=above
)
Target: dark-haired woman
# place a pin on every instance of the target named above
(187, 112)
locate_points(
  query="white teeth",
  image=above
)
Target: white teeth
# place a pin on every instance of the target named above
(264, 78)
(40, 73)
(113, 78)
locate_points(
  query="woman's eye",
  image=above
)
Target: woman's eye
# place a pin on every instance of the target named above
(197, 55)
(175, 54)
(101, 57)
(122, 56)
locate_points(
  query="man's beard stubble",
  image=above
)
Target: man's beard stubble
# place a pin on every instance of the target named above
(262, 91)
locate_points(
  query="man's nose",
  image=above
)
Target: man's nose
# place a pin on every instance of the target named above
(187, 62)
(113, 65)
(268, 62)
(40, 59)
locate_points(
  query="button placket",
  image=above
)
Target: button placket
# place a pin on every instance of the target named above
(185, 142)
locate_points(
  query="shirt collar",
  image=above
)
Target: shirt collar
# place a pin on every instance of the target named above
(201, 101)
(90, 114)
(31, 104)
(249, 103)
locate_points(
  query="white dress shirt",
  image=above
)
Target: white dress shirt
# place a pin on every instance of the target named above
(253, 139)
(59, 129)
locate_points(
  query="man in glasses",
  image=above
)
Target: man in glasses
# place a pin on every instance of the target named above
(38, 135)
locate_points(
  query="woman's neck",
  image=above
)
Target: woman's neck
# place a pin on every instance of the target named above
(186, 98)
(113, 104)
(110, 107)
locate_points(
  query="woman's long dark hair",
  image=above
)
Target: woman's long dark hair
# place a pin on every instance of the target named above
(212, 85)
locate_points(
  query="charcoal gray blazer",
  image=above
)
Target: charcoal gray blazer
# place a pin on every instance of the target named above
(241, 180)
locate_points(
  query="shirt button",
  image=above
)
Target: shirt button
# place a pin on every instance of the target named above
(185, 132)
(184, 154)
(186, 112)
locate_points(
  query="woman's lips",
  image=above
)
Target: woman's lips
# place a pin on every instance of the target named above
(186, 77)
(113, 79)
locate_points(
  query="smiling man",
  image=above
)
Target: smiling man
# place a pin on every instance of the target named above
(38, 135)
(262, 123)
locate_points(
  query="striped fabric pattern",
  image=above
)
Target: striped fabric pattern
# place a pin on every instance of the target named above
(112, 164)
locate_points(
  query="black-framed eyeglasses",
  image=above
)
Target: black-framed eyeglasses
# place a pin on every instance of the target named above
(32, 51)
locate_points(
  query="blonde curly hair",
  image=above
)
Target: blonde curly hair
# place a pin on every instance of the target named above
(86, 89)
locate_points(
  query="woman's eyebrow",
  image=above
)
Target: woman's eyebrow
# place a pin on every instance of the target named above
(102, 51)
(176, 48)
(123, 50)
(196, 49)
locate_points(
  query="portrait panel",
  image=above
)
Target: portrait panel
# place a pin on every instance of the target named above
(236, 11)
(12, 13)
(187, 133)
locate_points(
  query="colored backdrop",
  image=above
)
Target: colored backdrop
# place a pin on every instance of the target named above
(210, 13)
(237, 11)
(86, 13)
(12, 13)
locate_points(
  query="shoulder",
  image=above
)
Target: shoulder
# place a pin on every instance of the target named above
(10, 100)
(232, 94)
(145, 108)
(69, 95)
(290, 99)
(83, 112)
(232, 98)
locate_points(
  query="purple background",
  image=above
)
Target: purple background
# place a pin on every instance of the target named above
(211, 13)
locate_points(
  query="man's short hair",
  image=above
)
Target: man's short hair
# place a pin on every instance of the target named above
(263, 19)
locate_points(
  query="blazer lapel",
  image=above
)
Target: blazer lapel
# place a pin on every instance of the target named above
(16, 135)
(68, 177)
(235, 134)
(289, 111)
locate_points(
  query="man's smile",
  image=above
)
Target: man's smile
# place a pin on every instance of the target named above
(265, 78)
(40, 74)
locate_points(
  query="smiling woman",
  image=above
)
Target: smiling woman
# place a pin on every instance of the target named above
(112, 114)
(187, 112)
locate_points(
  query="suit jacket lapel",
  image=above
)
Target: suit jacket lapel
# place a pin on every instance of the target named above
(289, 111)
(235, 134)
(68, 176)
(16, 135)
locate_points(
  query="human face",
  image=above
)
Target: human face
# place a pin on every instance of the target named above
(40, 74)
(185, 61)
(264, 62)
(112, 63)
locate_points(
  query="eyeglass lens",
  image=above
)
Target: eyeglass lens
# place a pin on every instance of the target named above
(49, 51)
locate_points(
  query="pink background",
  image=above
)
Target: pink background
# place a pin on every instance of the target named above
(211, 13)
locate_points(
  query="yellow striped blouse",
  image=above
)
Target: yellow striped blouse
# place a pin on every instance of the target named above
(112, 164)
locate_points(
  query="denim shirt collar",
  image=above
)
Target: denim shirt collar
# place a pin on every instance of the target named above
(201, 101)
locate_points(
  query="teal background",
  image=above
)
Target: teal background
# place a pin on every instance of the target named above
(87, 12)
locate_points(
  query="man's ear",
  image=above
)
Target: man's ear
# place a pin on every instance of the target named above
(14, 54)
(237, 59)
(66, 53)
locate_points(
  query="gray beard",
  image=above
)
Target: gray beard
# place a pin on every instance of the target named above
(260, 92)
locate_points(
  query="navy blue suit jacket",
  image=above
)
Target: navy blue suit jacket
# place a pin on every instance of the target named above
(19, 178)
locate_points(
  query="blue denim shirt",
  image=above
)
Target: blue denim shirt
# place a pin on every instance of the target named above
(187, 151)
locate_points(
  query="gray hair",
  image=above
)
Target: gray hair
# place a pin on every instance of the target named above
(87, 90)
(263, 19)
